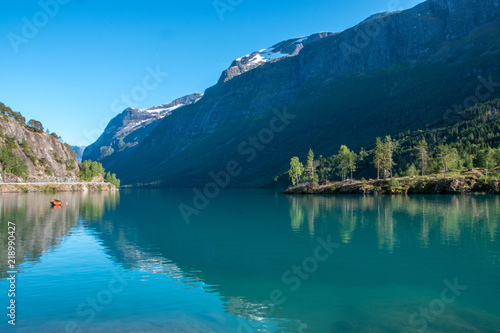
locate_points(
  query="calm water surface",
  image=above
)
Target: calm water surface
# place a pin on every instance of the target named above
(253, 261)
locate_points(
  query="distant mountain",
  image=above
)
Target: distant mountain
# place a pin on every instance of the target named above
(78, 150)
(392, 72)
(126, 131)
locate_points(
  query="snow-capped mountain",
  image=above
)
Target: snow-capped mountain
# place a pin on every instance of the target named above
(128, 129)
(288, 48)
(138, 118)
(393, 71)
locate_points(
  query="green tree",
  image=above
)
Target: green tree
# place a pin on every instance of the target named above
(411, 171)
(310, 169)
(352, 162)
(324, 167)
(378, 155)
(423, 155)
(489, 159)
(362, 154)
(85, 172)
(111, 178)
(96, 169)
(344, 162)
(469, 161)
(448, 157)
(12, 163)
(296, 170)
(35, 125)
(388, 148)
(91, 169)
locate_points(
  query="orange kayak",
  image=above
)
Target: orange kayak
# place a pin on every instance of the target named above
(56, 202)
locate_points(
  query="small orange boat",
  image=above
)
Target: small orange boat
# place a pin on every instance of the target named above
(55, 203)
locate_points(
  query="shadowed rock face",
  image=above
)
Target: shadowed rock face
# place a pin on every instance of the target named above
(53, 161)
(340, 81)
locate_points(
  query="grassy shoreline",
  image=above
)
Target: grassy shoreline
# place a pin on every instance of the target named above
(470, 182)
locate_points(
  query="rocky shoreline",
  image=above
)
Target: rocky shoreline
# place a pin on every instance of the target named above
(57, 187)
(471, 182)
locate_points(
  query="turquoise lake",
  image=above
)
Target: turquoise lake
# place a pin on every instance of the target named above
(252, 261)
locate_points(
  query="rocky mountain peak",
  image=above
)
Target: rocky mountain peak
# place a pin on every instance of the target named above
(291, 47)
(127, 130)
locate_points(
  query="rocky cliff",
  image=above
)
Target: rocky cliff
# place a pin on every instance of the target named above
(392, 72)
(45, 157)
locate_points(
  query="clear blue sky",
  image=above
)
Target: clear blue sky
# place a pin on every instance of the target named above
(71, 72)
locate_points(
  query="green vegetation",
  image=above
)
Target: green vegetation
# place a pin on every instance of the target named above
(445, 149)
(310, 169)
(111, 178)
(70, 165)
(7, 112)
(35, 126)
(12, 163)
(296, 170)
(58, 160)
(91, 169)
(344, 162)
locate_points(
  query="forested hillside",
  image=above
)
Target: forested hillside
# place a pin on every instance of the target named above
(470, 139)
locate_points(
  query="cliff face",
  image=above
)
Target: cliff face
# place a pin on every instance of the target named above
(392, 72)
(47, 159)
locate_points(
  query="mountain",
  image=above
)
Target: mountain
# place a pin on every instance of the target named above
(125, 132)
(277, 52)
(79, 152)
(393, 72)
(28, 154)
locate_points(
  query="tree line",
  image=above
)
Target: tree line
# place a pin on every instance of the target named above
(472, 142)
(91, 169)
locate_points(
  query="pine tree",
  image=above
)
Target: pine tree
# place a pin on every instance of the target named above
(310, 168)
(388, 148)
(378, 155)
(423, 155)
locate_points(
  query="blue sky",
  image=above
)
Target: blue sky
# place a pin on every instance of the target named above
(71, 63)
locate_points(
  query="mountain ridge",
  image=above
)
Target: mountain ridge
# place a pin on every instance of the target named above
(127, 130)
(381, 64)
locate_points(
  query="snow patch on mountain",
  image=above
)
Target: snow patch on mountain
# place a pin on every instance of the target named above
(282, 50)
(161, 109)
